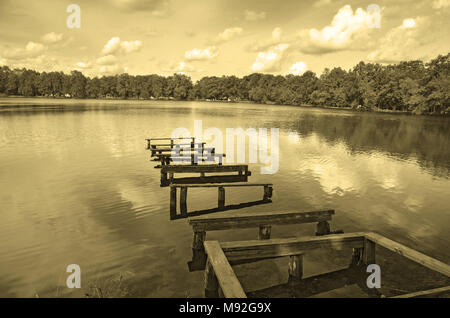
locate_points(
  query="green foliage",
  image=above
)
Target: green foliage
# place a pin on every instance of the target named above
(408, 86)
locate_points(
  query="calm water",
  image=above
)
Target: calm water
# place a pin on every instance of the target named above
(77, 187)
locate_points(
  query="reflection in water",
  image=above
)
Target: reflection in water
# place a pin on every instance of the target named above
(76, 186)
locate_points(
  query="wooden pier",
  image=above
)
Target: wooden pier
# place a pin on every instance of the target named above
(267, 194)
(263, 221)
(220, 279)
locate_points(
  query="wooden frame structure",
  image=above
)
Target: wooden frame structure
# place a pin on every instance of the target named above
(221, 195)
(261, 220)
(220, 278)
(168, 172)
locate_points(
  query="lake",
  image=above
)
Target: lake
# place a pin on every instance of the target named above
(77, 187)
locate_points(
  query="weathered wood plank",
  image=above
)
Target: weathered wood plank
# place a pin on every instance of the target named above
(207, 179)
(229, 284)
(169, 138)
(409, 253)
(221, 185)
(203, 168)
(422, 293)
(259, 249)
(248, 220)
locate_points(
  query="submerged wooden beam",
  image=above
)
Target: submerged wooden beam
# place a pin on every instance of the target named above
(229, 284)
(248, 220)
(409, 253)
(204, 168)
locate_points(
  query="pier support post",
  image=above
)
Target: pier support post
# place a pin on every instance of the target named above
(322, 228)
(267, 192)
(295, 268)
(357, 256)
(163, 179)
(198, 251)
(264, 232)
(183, 201)
(173, 203)
(211, 283)
(369, 252)
(221, 197)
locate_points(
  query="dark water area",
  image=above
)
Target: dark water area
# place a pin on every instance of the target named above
(77, 187)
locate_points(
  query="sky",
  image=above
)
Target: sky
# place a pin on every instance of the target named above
(218, 37)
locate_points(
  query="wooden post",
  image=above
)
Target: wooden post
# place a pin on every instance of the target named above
(264, 232)
(163, 179)
(211, 283)
(295, 268)
(369, 252)
(198, 250)
(221, 197)
(171, 177)
(183, 203)
(356, 256)
(322, 228)
(171, 143)
(267, 192)
(173, 203)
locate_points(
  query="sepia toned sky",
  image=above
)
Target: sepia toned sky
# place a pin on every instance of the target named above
(219, 37)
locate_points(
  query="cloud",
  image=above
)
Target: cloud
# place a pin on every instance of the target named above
(345, 28)
(201, 54)
(111, 46)
(262, 46)
(107, 60)
(52, 37)
(130, 46)
(31, 50)
(112, 69)
(270, 60)
(227, 35)
(82, 66)
(115, 45)
(401, 43)
(440, 4)
(298, 68)
(251, 15)
(181, 68)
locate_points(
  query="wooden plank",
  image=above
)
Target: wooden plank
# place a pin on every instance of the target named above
(168, 138)
(203, 168)
(248, 220)
(207, 179)
(230, 285)
(422, 293)
(411, 254)
(179, 144)
(260, 249)
(221, 185)
(369, 252)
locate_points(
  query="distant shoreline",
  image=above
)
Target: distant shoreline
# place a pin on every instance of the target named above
(385, 111)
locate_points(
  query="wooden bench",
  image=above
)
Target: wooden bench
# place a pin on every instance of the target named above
(221, 195)
(220, 279)
(261, 220)
(168, 172)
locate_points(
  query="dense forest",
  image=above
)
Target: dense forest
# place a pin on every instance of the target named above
(413, 86)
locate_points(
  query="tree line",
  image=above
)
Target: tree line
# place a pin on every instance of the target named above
(412, 86)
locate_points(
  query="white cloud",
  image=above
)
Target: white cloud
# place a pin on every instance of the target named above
(264, 45)
(83, 65)
(344, 29)
(115, 45)
(440, 4)
(201, 54)
(401, 43)
(130, 46)
(31, 50)
(251, 15)
(158, 8)
(227, 35)
(269, 61)
(107, 60)
(111, 46)
(52, 37)
(276, 33)
(112, 69)
(181, 68)
(298, 68)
